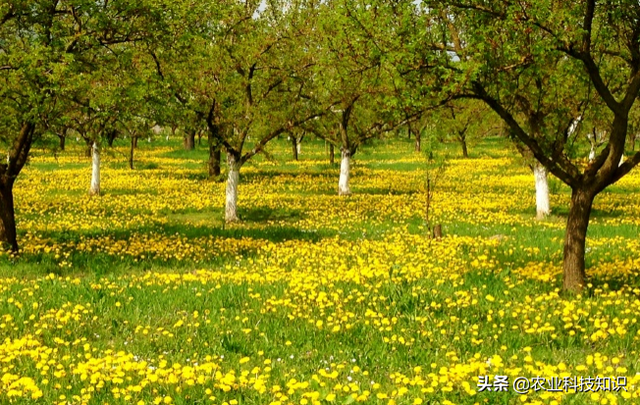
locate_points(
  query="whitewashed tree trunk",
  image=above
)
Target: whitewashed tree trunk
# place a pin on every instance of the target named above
(592, 153)
(95, 170)
(621, 160)
(542, 191)
(345, 166)
(299, 146)
(231, 207)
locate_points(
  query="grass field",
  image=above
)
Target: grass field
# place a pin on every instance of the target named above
(145, 296)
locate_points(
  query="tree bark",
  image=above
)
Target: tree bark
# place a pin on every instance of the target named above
(131, 149)
(345, 167)
(16, 159)
(465, 151)
(135, 142)
(214, 151)
(575, 240)
(214, 160)
(89, 149)
(8, 233)
(294, 147)
(332, 155)
(95, 170)
(298, 148)
(542, 191)
(63, 142)
(231, 205)
(190, 140)
(418, 141)
(111, 137)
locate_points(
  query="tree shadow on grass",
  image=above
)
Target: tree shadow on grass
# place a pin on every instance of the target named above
(387, 191)
(85, 262)
(264, 214)
(262, 223)
(277, 174)
(273, 233)
(595, 213)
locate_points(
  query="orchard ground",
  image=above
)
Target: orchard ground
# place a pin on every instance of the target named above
(144, 296)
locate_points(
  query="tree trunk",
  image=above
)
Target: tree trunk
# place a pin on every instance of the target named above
(345, 166)
(8, 234)
(95, 170)
(214, 160)
(16, 159)
(131, 149)
(542, 191)
(294, 147)
(190, 141)
(214, 151)
(592, 153)
(575, 239)
(418, 141)
(231, 206)
(62, 143)
(465, 151)
(135, 142)
(298, 148)
(332, 155)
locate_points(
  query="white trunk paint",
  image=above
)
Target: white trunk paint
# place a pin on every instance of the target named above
(621, 161)
(299, 147)
(95, 170)
(149, 139)
(542, 191)
(231, 207)
(345, 166)
(574, 125)
(592, 153)
(167, 137)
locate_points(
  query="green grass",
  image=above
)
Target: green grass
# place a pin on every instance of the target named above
(153, 254)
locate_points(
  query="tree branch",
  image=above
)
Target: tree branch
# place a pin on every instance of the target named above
(571, 176)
